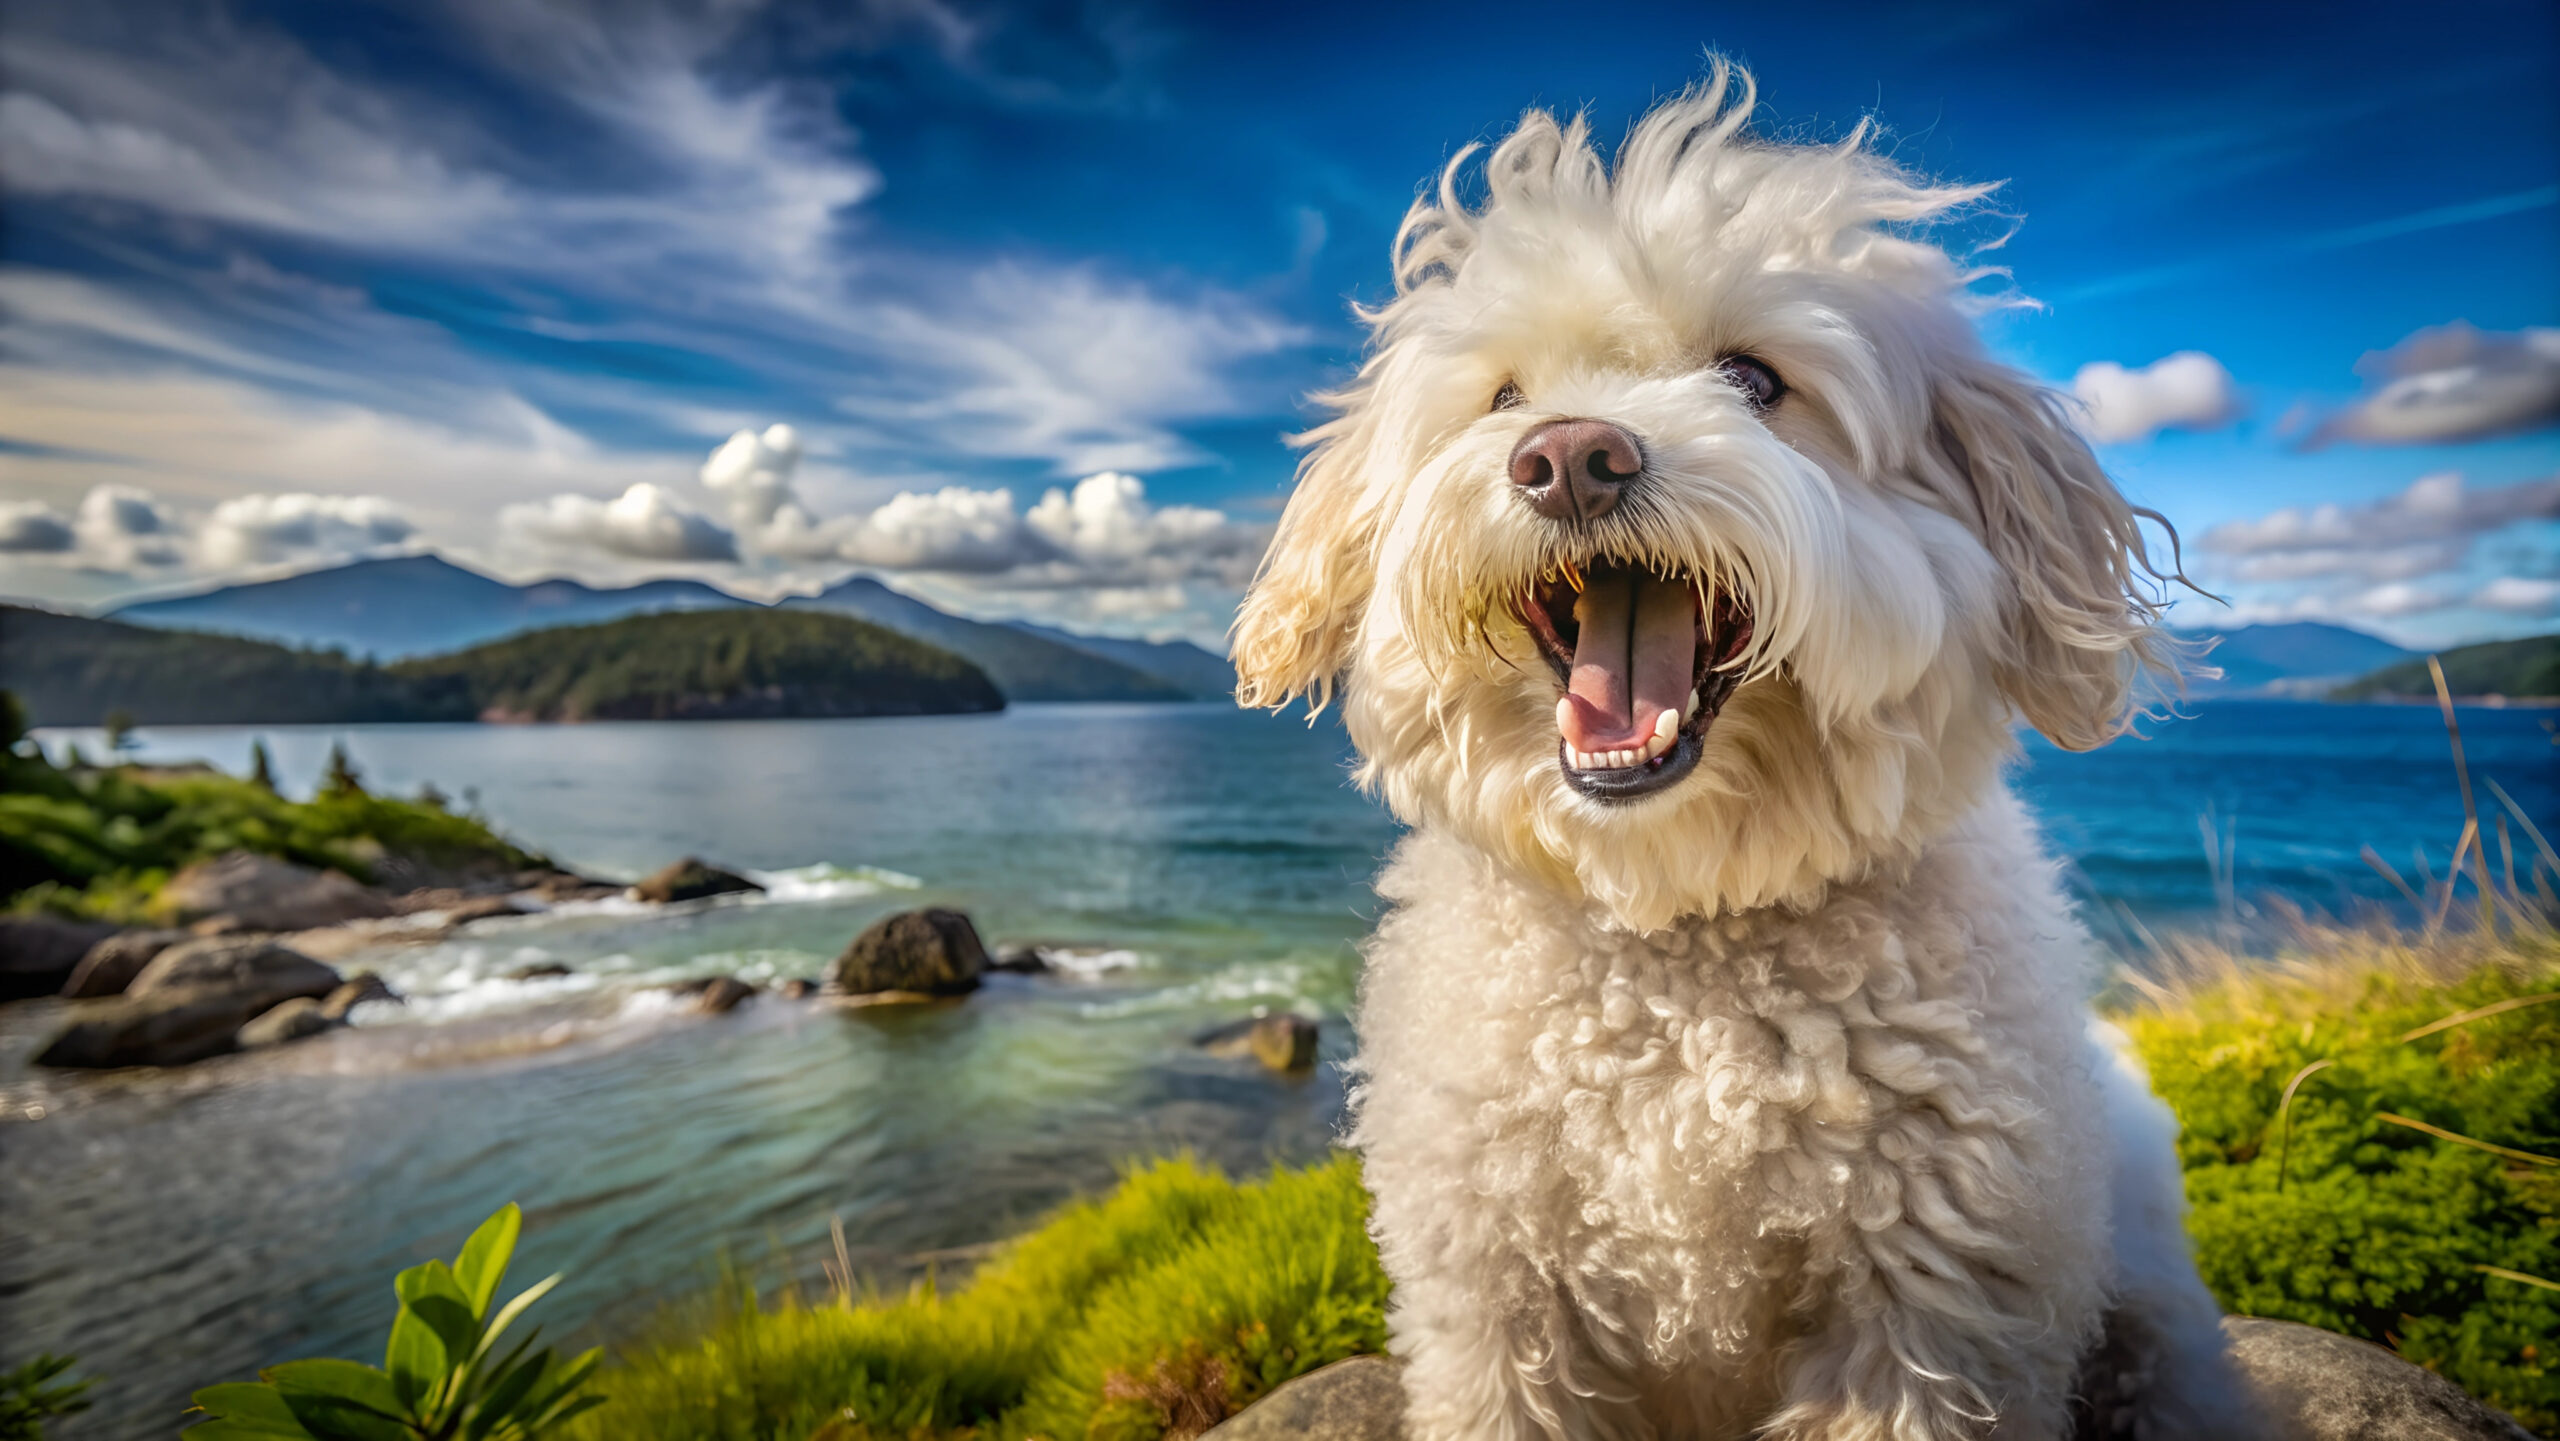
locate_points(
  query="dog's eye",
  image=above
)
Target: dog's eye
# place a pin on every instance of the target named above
(1509, 396)
(1752, 376)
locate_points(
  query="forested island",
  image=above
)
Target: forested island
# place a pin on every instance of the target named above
(2517, 670)
(683, 665)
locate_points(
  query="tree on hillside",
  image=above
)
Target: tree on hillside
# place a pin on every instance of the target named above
(341, 779)
(262, 771)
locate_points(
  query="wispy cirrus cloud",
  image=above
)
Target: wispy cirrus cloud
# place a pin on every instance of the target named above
(629, 222)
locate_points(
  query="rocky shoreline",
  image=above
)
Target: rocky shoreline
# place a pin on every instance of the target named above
(248, 959)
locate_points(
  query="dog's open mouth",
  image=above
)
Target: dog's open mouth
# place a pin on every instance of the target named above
(1646, 661)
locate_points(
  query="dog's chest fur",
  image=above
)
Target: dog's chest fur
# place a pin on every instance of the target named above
(1685, 1141)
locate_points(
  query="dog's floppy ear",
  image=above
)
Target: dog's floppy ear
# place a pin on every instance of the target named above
(1293, 635)
(2081, 631)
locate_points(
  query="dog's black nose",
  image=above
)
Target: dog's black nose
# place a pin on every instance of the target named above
(1574, 469)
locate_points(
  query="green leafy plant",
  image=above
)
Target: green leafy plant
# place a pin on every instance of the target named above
(442, 1378)
(31, 1396)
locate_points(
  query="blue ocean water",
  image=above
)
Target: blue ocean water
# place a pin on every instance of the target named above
(1183, 863)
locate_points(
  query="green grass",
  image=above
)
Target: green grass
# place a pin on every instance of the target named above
(1177, 1298)
(98, 841)
(1183, 1296)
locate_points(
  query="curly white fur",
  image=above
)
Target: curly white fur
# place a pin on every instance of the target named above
(1764, 1105)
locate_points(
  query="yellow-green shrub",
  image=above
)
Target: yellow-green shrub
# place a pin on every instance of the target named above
(2378, 1229)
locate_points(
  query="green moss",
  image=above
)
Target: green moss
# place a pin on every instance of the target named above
(1180, 1292)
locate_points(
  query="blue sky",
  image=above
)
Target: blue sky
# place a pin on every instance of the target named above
(285, 283)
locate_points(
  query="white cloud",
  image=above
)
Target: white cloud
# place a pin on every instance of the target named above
(255, 530)
(645, 522)
(2452, 383)
(2186, 391)
(752, 472)
(2434, 508)
(2519, 595)
(2398, 562)
(120, 527)
(30, 527)
(954, 529)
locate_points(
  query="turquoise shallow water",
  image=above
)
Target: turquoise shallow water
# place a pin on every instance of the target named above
(1190, 862)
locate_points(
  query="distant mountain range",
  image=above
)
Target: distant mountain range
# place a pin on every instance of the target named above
(2303, 660)
(1025, 666)
(426, 605)
(736, 662)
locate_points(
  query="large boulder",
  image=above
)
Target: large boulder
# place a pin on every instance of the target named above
(39, 953)
(112, 963)
(190, 1002)
(929, 952)
(262, 893)
(2317, 1385)
(691, 879)
(171, 1028)
(255, 967)
(2312, 1385)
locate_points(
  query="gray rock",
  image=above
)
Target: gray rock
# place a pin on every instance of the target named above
(547, 971)
(2320, 1386)
(930, 952)
(722, 994)
(171, 1028)
(2313, 1385)
(262, 893)
(355, 991)
(291, 1021)
(1281, 1040)
(691, 879)
(112, 963)
(797, 989)
(38, 953)
(255, 968)
(1361, 1399)
(1020, 961)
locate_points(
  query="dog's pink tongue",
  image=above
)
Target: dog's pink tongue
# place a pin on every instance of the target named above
(1632, 661)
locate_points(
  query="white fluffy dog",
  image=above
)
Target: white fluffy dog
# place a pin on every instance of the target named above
(1681, 558)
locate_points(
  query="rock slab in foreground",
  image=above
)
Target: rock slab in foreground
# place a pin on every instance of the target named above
(1361, 1399)
(39, 953)
(933, 952)
(262, 893)
(2327, 1387)
(691, 879)
(2314, 1385)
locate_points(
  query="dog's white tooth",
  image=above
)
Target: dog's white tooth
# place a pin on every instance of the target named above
(1564, 711)
(1581, 760)
(1667, 724)
(1692, 708)
(1622, 759)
